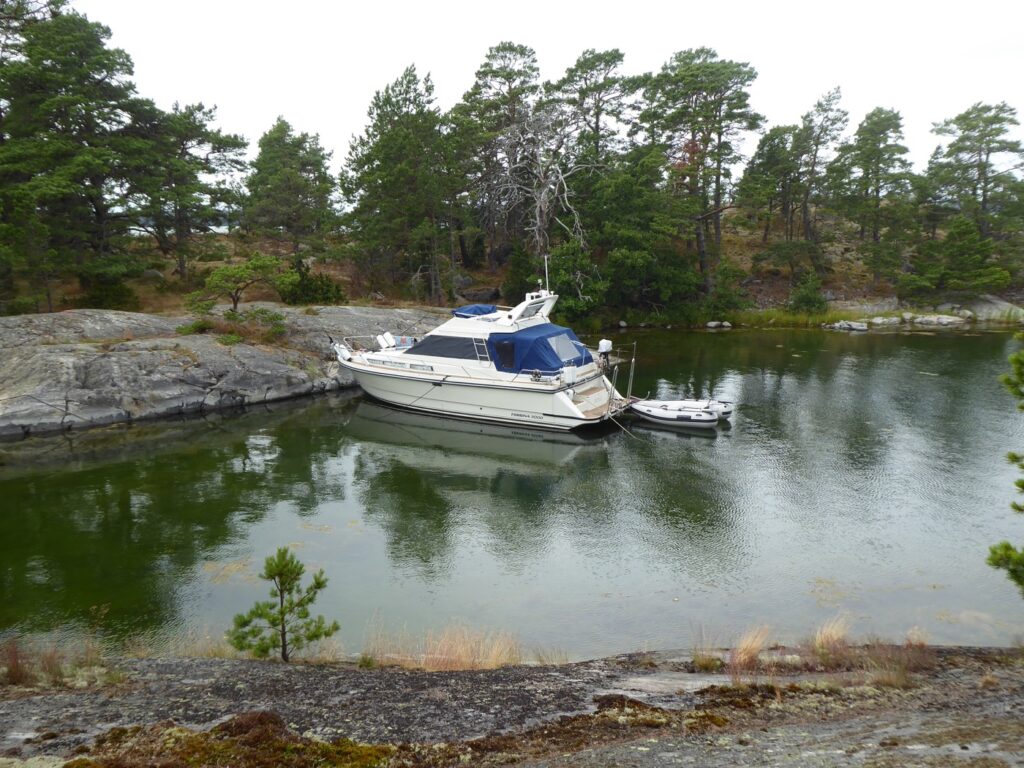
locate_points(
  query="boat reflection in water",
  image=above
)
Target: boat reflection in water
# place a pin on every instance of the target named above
(428, 482)
(427, 441)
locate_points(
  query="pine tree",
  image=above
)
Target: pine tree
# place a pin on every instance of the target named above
(282, 623)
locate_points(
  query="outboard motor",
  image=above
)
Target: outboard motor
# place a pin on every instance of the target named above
(604, 351)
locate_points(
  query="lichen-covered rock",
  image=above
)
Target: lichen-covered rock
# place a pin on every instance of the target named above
(91, 367)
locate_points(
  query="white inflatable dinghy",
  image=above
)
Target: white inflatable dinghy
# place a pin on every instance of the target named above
(663, 412)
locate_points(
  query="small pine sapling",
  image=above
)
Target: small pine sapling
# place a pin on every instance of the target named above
(282, 623)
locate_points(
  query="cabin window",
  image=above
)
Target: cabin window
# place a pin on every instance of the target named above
(564, 347)
(506, 351)
(457, 347)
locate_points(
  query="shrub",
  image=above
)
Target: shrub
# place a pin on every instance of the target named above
(229, 339)
(201, 325)
(301, 286)
(109, 294)
(806, 296)
(22, 305)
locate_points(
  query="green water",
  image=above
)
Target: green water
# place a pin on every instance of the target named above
(862, 473)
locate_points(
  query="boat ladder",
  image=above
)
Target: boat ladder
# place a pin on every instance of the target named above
(482, 355)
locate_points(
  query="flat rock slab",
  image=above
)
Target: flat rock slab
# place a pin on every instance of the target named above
(378, 705)
(86, 368)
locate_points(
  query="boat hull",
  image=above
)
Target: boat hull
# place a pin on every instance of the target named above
(549, 409)
(721, 408)
(675, 417)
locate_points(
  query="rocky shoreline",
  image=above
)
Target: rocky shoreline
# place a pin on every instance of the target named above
(83, 368)
(86, 367)
(654, 709)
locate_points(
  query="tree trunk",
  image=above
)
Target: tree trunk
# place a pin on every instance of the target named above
(284, 624)
(805, 214)
(702, 257)
(768, 221)
(718, 192)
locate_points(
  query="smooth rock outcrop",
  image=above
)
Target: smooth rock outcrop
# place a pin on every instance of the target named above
(940, 320)
(846, 325)
(85, 368)
(988, 308)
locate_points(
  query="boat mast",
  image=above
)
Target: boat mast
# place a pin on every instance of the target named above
(547, 283)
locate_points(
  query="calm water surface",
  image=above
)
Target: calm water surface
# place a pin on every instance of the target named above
(862, 473)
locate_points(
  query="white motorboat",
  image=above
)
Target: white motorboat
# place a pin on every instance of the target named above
(669, 413)
(722, 409)
(505, 365)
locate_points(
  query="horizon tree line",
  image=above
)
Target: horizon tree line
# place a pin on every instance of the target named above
(631, 183)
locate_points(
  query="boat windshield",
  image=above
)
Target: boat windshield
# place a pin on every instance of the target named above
(564, 347)
(531, 310)
(459, 347)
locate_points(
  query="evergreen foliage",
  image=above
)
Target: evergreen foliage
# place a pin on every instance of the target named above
(290, 187)
(232, 280)
(299, 285)
(282, 624)
(1004, 555)
(806, 296)
(626, 182)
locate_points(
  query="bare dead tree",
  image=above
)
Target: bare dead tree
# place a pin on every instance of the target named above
(540, 162)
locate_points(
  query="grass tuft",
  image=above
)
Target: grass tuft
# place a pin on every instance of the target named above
(705, 657)
(830, 645)
(51, 664)
(455, 647)
(16, 667)
(745, 654)
(891, 666)
(459, 647)
(547, 657)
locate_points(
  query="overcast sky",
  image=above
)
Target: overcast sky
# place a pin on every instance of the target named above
(319, 63)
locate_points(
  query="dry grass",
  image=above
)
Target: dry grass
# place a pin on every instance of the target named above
(830, 645)
(745, 654)
(90, 654)
(327, 651)
(201, 645)
(452, 648)
(547, 657)
(703, 653)
(891, 666)
(916, 638)
(988, 682)
(459, 647)
(15, 661)
(51, 664)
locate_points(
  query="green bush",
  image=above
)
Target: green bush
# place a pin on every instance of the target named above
(521, 276)
(229, 339)
(202, 325)
(109, 294)
(301, 286)
(728, 295)
(806, 295)
(22, 305)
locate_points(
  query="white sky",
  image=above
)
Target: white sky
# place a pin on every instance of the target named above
(318, 63)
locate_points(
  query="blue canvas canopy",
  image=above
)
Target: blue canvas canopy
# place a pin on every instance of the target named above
(473, 310)
(546, 347)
